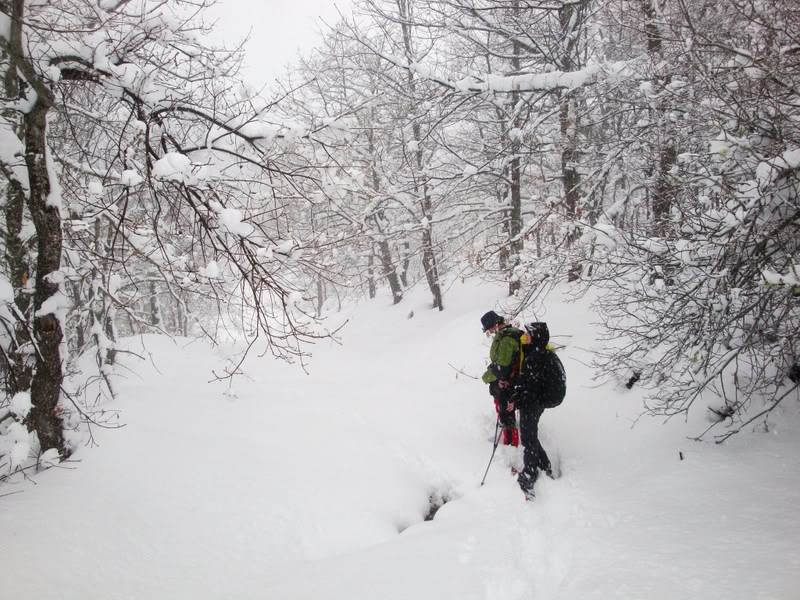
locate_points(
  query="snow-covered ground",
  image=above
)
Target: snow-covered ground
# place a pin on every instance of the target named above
(295, 486)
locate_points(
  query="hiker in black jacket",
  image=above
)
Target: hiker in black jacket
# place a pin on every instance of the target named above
(535, 383)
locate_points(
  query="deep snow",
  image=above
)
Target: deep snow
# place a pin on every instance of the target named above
(295, 486)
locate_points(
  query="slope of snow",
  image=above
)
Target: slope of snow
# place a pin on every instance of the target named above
(297, 486)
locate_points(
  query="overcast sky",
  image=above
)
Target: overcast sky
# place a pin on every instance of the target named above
(280, 28)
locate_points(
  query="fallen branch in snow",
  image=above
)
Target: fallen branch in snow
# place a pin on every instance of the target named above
(20, 470)
(462, 372)
(23, 470)
(139, 356)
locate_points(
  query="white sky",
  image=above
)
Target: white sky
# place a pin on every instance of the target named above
(280, 28)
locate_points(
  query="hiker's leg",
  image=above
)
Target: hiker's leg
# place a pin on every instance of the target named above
(542, 460)
(528, 428)
(534, 456)
(508, 420)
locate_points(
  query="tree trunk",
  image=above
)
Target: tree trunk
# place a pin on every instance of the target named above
(47, 329)
(155, 308)
(389, 270)
(371, 276)
(515, 210)
(664, 189)
(183, 313)
(44, 417)
(569, 156)
(77, 302)
(515, 222)
(429, 263)
(430, 267)
(18, 260)
(570, 18)
(111, 335)
(320, 295)
(406, 264)
(20, 371)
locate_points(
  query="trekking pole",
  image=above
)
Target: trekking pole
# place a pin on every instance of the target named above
(494, 448)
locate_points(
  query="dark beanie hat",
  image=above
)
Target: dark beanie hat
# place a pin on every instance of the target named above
(490, 319)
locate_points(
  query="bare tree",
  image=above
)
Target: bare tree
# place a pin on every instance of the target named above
(149, 171)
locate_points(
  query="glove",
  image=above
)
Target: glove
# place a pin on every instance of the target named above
(521, 398)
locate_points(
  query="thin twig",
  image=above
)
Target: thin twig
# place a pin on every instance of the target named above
(462, 372)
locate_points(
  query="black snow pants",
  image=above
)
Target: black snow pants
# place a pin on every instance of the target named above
(534, 456)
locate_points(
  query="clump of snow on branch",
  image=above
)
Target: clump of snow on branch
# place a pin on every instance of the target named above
(173, 166)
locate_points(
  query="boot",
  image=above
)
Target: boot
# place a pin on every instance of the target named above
(526, 482)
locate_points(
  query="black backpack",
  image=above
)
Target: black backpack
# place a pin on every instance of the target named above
(542, 380)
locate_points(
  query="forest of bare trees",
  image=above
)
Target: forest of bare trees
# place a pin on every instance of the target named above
(645, 152)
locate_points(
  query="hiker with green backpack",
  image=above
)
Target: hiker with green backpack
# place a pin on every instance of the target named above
(526, 375)
(502, 373)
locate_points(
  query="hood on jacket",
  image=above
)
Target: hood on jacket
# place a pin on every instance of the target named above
(539, 333)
